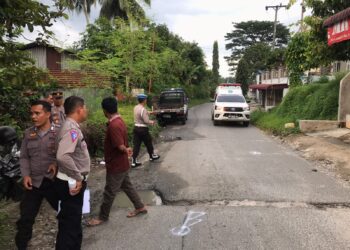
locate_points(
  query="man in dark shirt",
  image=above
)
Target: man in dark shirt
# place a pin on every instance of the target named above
(38, 167)
(117, 152)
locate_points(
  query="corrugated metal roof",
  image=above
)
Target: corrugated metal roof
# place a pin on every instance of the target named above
(342, 15)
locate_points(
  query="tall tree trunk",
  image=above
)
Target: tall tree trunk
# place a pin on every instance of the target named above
(127, 83)
(86, 13)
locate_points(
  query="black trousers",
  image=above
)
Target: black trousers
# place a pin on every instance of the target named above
(70, 233)
(29, 209)
(141, 134)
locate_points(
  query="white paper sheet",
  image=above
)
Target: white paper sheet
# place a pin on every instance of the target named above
(86, 203)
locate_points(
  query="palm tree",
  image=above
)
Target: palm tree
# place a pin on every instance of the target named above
(81, 6)
(125, 9)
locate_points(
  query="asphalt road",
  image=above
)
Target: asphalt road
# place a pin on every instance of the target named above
(230, 187)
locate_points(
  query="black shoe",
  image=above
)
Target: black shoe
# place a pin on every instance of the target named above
(154, 157)
(135, 164)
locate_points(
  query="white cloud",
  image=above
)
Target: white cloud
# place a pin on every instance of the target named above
(205, 21)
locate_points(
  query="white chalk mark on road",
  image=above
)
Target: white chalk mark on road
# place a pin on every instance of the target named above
(191, 219)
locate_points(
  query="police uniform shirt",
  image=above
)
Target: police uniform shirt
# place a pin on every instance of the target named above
(58, 115)
(141, 116)
(38, 152)
(72, 153)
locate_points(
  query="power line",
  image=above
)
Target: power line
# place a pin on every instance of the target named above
(276, 8)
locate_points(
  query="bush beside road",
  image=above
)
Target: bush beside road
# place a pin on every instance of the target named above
(317, 101)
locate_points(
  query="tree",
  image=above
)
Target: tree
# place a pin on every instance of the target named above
(128, 10)
(321, 10)
(81, 6)
(309, 49)
(125, 9)
(246, 34)
(242, 75)
(20, 80)
(215, 68)
(131, 57)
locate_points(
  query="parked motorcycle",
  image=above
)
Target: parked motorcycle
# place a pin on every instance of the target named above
(10, 174)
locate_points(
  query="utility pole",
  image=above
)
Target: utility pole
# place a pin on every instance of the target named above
(276, 8)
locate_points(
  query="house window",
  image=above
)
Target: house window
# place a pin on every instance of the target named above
(348, 65)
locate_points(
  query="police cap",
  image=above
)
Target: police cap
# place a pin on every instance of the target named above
(141, 96)
(57, 94)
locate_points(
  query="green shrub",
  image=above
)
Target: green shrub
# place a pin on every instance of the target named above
(318, 101)
(95, 128)
(273, 123)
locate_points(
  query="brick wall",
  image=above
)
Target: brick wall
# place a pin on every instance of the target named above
(72, 79)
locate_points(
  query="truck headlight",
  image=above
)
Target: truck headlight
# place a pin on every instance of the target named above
(246, 108)
(219, 108)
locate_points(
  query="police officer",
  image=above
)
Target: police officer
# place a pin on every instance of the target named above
(141, 131)
(38, 168)
(73, 168)
(57, 113)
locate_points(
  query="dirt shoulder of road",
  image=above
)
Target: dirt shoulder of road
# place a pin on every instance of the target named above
(329, 150)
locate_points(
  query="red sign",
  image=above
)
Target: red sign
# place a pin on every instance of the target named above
(339, 32)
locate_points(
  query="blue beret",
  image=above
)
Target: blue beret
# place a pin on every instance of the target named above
(141, 96)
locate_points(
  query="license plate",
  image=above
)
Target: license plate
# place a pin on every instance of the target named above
(232, 116)
(166, 116)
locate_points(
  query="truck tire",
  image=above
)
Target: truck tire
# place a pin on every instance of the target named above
(183, 121)
(215, 123)
(161, 122)
(245, 124)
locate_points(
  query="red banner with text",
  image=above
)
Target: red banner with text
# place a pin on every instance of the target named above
(339, 32)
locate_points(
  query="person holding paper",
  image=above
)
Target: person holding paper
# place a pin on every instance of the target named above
(73, 168)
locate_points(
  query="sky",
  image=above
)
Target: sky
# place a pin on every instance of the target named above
(200, 21)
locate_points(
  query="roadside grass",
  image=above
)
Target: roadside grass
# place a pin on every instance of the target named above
(316, 101)
(96, 127)
(195, 102)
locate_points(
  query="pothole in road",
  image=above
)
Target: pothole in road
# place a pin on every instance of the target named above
(169, 138)
(149, 198)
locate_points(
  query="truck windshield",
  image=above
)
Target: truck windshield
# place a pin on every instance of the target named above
(230, 98)
(171, 98)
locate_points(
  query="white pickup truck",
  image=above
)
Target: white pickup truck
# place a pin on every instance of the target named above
(230, 105)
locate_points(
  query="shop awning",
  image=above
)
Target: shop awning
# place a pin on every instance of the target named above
(340, 16)
(265, 86)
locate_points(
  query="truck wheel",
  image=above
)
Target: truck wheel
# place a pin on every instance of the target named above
(245, 124)
(215, 122)
(161, 123)
(183, 121)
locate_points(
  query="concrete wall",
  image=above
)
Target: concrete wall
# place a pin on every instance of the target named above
(307, 126)
(344, 99)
